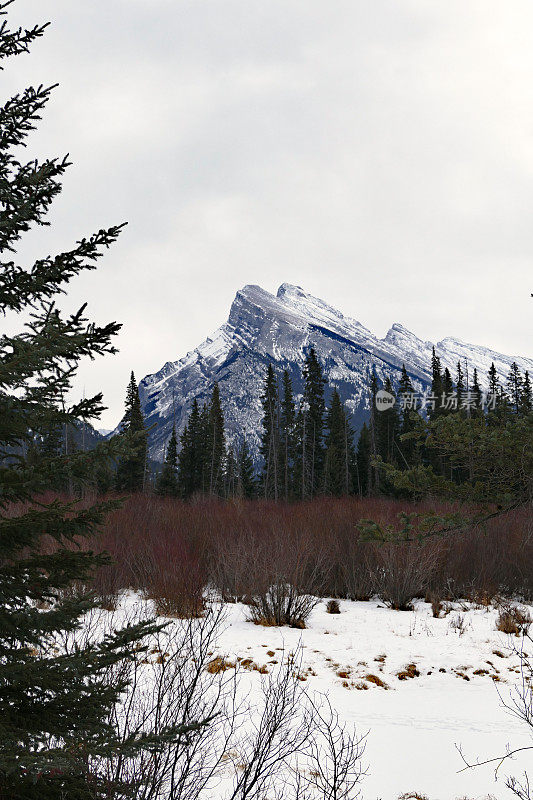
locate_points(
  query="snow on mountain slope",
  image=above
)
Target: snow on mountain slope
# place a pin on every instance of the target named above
(280, 329)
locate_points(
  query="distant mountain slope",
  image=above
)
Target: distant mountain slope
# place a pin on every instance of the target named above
(262, 329)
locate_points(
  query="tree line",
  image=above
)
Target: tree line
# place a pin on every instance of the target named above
(306, 449)
(309, 448)
(308, 445)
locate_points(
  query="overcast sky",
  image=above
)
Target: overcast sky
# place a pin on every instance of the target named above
(378, 153)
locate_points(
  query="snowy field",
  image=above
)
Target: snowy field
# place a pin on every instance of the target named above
(452, 671)
(414, 724)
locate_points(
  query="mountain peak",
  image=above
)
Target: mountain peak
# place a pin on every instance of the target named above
(279, 328)
(289, 290)
(397, 326)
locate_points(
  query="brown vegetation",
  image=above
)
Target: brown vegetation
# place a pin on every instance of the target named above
(513, 620)
(279, 557)
(410, 671)
(376, 680)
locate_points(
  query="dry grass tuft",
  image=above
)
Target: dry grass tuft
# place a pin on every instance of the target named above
(409, 672)
(219, 664)
(333, 607)
(299, 623)
(375, 680)
(499, 654)
(413, 796)
(177, 607)
(513, 620)
(437, 607)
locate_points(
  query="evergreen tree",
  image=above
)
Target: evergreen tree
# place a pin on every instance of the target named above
(270, 444)
(231, 475)
(200, 434)
(186, 486)
(389, 424)
(405, 395)
(339, 456)
(300, 455)
(374, 437)
(436, 386)
(434, 409)
(131, 469)
(363, 467)
(54, 704)
(385, 427)
(460, 386)
(192, 455)
(287, 437)
(476, 394)
(446, 399)
(497, 400)
(246, 481)
(216, 444)
(496, 460)
(103, 477)
(314, 383)
(526, 400)
(515, 387)
(503, 406)
(167, 483)
(494, 383)
(51, 445)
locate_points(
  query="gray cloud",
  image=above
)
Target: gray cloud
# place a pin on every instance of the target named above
(379, 154)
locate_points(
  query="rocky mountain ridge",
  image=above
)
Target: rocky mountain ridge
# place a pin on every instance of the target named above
(280, 329)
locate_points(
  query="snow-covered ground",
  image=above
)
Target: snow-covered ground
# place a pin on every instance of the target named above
(421, 687)
(414, 724)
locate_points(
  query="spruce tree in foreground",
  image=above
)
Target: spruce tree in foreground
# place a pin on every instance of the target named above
(54, 704)
(131, 469)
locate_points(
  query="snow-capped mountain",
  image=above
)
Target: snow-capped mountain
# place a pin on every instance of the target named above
(280, 329)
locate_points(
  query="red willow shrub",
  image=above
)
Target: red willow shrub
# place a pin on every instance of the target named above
(154, 549)
(174, 550)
